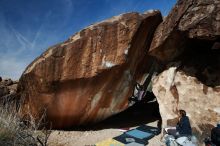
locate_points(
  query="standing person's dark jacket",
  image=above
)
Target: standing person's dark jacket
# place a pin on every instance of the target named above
(215, 135)
(184, 127)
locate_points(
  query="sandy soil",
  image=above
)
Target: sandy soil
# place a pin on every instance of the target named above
(142, 113)
(89, 138)
(77, 138)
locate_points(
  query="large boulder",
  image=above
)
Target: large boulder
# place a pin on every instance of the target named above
(90, 76)
(187, 43)
(188, 20)
(175, 90)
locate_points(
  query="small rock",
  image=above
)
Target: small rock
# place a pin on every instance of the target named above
(7, 82)
(13, 88)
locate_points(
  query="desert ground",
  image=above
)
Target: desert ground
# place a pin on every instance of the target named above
(142, 113)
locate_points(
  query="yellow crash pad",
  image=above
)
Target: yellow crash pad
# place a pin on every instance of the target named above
(109, 142)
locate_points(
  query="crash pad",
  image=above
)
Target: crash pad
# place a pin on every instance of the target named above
(126, 139)
(134, 144)
(140, 134)
(109, 142)
(149, 129)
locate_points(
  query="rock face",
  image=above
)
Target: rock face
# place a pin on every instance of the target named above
(187, 43)
(189, 19)
(175, 90)
(90, 76)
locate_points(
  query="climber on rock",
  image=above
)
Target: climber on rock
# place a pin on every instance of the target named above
(138, 94)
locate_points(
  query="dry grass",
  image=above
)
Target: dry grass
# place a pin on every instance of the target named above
(14, 132)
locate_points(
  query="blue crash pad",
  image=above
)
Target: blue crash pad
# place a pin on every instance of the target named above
(149, 129)
(140, 134)
(126, 139)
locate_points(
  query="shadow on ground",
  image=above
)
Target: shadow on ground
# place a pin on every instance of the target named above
(140, 113)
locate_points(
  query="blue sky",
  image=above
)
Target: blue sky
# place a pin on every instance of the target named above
(29, 27)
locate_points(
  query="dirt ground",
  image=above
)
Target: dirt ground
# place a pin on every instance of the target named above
(141, 113)
(89, 138)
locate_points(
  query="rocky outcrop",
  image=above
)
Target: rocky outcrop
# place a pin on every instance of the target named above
(90, 76)
(175, 89)
(8, 90)
(188, 20)
(187, 43)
